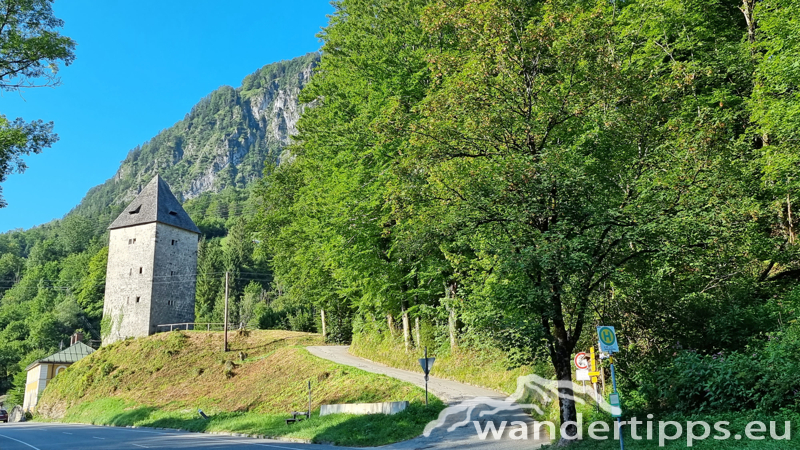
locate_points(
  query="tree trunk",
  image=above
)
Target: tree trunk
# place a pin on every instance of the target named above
(324, 333)
(747, 10)
(561, 356)
(790, 218)
(450, 293)
(406, 327)
(417, 327)
(452, 326)
(566, 401)
(390, 322)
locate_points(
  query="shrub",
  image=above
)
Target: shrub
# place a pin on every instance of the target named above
(302, 321)
(175, 342)
(763, 378)
(107, 368)
(227, 369)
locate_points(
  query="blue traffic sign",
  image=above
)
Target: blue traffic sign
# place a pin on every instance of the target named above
(608, 339)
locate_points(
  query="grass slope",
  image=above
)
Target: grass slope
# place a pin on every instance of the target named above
(162, 380)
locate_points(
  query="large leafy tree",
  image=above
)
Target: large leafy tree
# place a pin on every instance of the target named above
(31, 49)
(567, 141)
(556, 164)
(329, 221)
(775, 107)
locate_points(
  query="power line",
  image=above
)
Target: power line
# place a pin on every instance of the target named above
(184, 278)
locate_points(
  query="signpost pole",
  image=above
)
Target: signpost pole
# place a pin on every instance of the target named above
(225, 326)
(426, 364)
(619, 419)
(426, 375)
(602, 371)
(608, 343)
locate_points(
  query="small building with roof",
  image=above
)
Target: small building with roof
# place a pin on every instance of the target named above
(152, 265)
(41, 371)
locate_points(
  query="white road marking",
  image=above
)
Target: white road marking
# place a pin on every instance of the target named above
(180, 434)
(23, 443)
(265, 445)
(137, 430)
(223, 438)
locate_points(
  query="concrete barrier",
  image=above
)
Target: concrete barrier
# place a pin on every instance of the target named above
(364, 408)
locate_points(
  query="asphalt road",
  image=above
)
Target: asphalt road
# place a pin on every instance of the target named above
(51, 436)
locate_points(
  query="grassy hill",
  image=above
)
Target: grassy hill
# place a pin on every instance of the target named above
(162, 380)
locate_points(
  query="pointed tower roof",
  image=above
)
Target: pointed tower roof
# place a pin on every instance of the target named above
(155, 204)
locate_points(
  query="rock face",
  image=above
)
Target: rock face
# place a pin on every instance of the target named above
(16, 414)
(225, 139)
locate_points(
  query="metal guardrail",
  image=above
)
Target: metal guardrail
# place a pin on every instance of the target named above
(197, 326)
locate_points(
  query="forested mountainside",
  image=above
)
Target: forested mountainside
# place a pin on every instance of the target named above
(222, 142)
(52, 277)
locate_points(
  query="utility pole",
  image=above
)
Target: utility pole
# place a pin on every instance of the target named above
(225, 320)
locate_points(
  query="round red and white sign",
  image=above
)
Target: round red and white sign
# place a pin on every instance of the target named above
(581, 361)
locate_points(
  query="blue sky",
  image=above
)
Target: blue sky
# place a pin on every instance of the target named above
(140, 67)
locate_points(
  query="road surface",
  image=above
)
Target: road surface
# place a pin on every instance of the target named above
(56, 436)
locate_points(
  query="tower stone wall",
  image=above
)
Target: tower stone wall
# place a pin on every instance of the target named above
(152, 266)
(129, 282)
(174, 276)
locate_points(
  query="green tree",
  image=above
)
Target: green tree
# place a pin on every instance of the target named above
(46, 333)
(209, 286)
(11, 267)
(328, 222)
(31, 50)
(775, 108)
(91, 289)
(559, 148)
(17, 139)
(16, 395)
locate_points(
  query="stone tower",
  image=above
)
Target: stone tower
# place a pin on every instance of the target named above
(152, 265)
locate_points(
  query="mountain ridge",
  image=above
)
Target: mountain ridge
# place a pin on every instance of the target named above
(224, 140)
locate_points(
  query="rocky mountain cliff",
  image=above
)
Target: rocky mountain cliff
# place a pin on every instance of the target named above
(223, 141)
